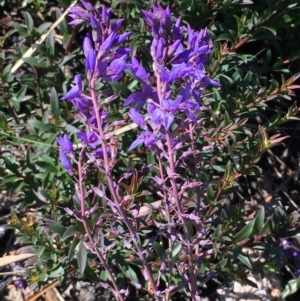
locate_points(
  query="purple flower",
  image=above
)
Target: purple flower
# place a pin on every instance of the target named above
(90, 60)
(82, 104)
(157, 49)
(122, 37)
(89, 138)
(108, 43)
(139, 71)
(65, 162)
(66, 144)
(87, 5)
(98, 153)
(147, 137)
(20, 283)
(165, 114)
(78, 14)
(160, 21)
(115, 69)
(136, 98)
(136, 117)
(87, 44)
(76, 90)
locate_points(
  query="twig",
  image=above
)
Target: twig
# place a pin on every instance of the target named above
(31, 50)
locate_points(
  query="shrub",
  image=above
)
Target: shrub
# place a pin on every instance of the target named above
(144, 201)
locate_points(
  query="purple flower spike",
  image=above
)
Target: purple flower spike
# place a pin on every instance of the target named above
(66, 144)
(65, 162)
(76, 90)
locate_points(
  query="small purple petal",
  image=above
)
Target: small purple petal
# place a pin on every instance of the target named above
(122, 37)
(65, 162)
(90, 60)
(76, 90)
(139, 140)
(136, 117)
(87, 44)
(139, 71)
(135, 98)
(66, 144)
(168, 120)
(108, 43)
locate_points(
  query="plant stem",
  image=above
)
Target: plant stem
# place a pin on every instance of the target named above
(87, 230)
(112, 189)
(193, 281)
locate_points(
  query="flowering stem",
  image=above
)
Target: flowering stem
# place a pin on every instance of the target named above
(196, 173)
(193, 280)
(161, 171)
(192, 276)
(87, 230)
(113, 192)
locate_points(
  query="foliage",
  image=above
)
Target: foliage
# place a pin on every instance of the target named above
(253, 54)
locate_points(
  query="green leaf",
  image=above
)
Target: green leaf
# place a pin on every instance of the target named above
(245, 260)
(259, 221)
(176, 249)
(217, 233)
(21, 93)
(268, 226)
(160, 250)
(64, 3)
(34, 62)
(47, 166)
(81, 257)
(222, 264)
(138, 3)
(71, 231)
(50, 43)
(73, 246)
(56, 273)
(63, 26)
(43, 27)
(54, 104)
(21, 30)
(131, 274)
(291, 287)
(119, 88)
(244, 233)
(219, 168)
(210, 195)
(29, 22)
(104, 275)
(6, 70)
(55, 226)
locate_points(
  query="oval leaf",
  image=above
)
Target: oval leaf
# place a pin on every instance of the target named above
(54, 103)
(81, 257)
(244, 233)
(71, 231)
